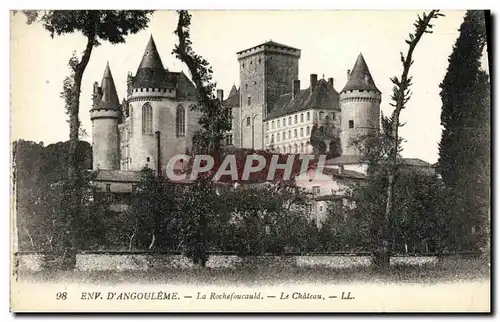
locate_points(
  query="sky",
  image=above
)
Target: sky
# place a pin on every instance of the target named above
(330, 42)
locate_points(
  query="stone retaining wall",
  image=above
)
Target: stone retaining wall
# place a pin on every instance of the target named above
(142, 262)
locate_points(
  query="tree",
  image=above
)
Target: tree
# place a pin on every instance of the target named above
(96, 26)
(215, 119)
(401, 95)
(325, 138)
(464, 150)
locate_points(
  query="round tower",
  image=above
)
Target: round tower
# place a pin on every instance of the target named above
(360, 107)
(105, 114)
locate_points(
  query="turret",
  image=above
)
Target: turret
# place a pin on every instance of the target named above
(360, 107)
(105, 115)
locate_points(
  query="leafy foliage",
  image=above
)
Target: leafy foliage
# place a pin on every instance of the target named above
(215, 118)
(464, 150)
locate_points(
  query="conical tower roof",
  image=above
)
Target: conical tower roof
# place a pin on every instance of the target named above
(150, 73)
(233, 91)
(360, 77)
(109, 98)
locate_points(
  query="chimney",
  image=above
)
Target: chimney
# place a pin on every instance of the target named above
(314, 80)
(296, 88)
(348, 74)
(330, 82)
(158, 154)
(220, 94)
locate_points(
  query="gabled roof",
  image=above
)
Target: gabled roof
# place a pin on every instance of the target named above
(360, 77)
(323, 97)
(151, 73)
(184, 87)
(109, 97)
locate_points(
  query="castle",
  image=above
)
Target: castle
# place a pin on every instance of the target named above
(270, 110)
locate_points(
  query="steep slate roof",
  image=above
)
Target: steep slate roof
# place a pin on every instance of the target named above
(184, 87)
(233, 91)
(233, 99)
(360, 77)
(323, 97)
(109, 98)
(151, 73)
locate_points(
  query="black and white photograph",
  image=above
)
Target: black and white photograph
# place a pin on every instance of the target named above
(244, 161)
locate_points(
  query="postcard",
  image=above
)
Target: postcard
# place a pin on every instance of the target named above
(250, 161)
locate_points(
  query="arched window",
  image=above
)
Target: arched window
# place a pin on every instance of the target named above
(180, 121)
(308, 131)
(147, 119)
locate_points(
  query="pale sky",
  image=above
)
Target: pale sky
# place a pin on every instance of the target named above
(330, 42)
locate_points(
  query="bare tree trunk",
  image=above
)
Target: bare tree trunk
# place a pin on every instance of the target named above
(400, 97)
(73, 192)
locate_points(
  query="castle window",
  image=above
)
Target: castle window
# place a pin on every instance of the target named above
(108, 187)
(351, 124)
(249, 102)
(308, 130)
(333, 116)
(289, 134)
(321, 115)
(267, 126)
(272, 138)
(301, 132)
(289, 120)
(277, 137)
(301, 118)
(147, 119)
(295, 133)
(267, 139)
(283, 135)
(148, 159)
(229, 139)
(284, 121)
(308, 116)
(248, 121)
(272, 125)
(147, 89)
(295, 119)
(259, 60)
(141, 89)
(302, 147)
(180, 121)
(278, 124)
(296, 149)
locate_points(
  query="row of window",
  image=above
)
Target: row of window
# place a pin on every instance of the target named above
(296, 148)
(282, 122)
(284, 135)
(147, 120)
